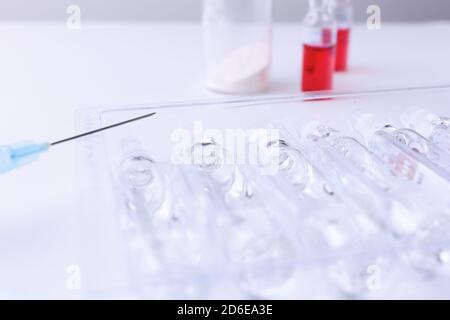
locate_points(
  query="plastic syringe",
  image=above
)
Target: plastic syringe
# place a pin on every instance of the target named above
(19, 154)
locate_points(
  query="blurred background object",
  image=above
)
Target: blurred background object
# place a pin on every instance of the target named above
(188, 10)
(237, 45)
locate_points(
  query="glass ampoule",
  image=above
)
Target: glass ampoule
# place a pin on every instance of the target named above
(430, 125)
(407, 154)
(345, 162)
(342, 12)
(260, 256)
(218, 165)
(174, 251)
(360, 193)
(147, 198)
(332, 226)
(287, 159)
(319, 42)
(142, 182)
(171, 248)
(368, 126)
(409, 213)
(277, 157)
(292, 177)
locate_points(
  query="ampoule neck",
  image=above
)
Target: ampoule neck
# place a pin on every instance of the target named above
(319, 16)
(443, 122)
(316, 131)
(342, 12)
(389, 128)
(367, 124)
(421, 120)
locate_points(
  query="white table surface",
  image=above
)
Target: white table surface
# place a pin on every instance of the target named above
(48, 71)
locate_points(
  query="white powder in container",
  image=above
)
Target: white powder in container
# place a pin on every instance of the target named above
(245, 70)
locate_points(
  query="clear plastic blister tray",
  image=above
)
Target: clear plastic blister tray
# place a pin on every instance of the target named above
(248, 198)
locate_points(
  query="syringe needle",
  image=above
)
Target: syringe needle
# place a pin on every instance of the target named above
(102, 129)
(18, 154)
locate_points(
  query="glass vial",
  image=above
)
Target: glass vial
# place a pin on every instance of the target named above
(342, 12)
(319, 41)
(237, 45)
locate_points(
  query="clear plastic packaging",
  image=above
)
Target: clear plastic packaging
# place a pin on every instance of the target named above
(172, 208)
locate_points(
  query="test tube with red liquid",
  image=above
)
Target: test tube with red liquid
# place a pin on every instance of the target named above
(342, 12)
(319, 41)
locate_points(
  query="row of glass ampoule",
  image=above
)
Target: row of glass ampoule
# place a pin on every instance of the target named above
(337, 217)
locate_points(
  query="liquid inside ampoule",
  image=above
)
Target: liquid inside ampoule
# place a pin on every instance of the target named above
(318, 68)
(343, 39)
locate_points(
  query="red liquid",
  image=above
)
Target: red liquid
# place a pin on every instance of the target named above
(318, 68)
(343, 39)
